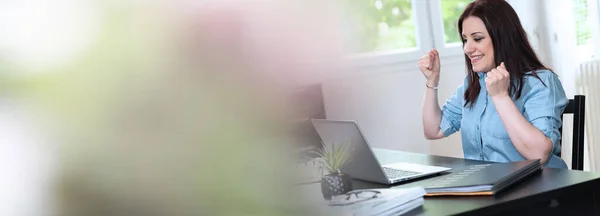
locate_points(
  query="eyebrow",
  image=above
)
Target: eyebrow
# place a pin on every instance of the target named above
(473, 33)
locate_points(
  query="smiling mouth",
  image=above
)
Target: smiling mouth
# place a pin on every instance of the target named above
(476, 58)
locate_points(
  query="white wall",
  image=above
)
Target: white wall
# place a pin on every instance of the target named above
(386, 101)
(534, 23)
(562, 47)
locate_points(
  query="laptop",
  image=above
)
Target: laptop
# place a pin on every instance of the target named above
(363, 163)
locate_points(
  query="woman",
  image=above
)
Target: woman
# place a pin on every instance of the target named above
(510, 104)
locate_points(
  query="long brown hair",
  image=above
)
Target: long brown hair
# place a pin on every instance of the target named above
(510, 42)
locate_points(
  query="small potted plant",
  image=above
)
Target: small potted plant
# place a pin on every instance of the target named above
(333, 158)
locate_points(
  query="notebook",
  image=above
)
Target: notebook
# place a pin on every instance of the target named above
(482, 179)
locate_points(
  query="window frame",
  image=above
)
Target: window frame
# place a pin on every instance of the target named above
(430, 34)
(437, 26)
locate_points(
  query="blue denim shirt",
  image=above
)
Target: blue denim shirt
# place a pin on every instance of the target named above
(483, 134)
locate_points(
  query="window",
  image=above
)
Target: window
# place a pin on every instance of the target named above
(451, 11)
(392, 31)
(583, 32)
(584, 40)
(388, 31)
(387, 25)
(444, 15)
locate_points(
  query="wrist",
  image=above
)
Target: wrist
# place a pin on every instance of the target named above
(501, 97)
(432, 83)
(432, 87)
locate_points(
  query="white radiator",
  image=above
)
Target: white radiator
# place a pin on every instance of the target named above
(587, 83)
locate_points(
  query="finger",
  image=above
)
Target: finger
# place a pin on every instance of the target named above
(423, 65)
(498, 73)
(492, 74)
(427, 54)
(425, 61)
(431, 60)
(504, 71)
(436, 53)
(501, 67)
(501, 73)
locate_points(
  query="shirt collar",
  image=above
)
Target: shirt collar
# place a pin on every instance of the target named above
(481, 74)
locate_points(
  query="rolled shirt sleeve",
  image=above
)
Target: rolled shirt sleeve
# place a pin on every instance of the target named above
(452, 113)
(544, 106)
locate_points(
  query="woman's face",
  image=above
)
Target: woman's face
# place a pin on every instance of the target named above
(478, 44)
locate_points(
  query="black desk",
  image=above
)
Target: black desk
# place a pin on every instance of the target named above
(551, 192)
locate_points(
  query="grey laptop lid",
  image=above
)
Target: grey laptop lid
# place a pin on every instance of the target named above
(363, 163)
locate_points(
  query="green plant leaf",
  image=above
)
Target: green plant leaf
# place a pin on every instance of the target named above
(334, 156)
(338, 156)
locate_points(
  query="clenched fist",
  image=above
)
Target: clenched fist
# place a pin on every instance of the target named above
(430, 66)
(497, 81)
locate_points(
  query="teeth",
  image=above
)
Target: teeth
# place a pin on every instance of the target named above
(476, 57)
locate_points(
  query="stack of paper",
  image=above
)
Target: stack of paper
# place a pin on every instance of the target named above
(384, 201)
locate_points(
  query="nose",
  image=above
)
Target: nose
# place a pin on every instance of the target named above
(468, 48)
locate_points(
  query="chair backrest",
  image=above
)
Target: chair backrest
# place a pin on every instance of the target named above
(576, 107)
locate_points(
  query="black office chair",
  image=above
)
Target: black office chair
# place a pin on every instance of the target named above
(576, 107)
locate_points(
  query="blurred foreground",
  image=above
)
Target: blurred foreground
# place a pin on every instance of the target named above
(156, 107)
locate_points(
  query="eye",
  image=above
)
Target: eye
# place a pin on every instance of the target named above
(478, 39)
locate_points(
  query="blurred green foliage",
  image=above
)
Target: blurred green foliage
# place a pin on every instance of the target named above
(451, 11)
(583, 31)
(399, 17)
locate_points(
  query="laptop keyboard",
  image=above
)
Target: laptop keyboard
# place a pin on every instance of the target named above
(396, 173)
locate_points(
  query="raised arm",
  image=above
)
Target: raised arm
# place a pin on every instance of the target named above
(438, 123)
(535, 135)
(432, 115)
